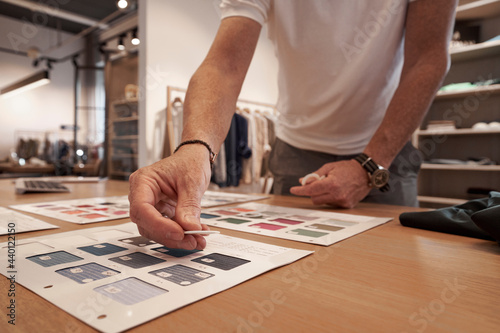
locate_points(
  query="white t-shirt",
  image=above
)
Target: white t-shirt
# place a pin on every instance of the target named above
(339, 65)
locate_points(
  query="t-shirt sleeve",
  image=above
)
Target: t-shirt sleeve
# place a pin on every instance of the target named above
(254, 9)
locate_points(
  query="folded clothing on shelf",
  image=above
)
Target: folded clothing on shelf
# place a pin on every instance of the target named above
(441, 125)
(469, 85)
(470, 161)
(482, 125)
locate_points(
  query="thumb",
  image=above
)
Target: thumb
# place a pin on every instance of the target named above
(188, 209)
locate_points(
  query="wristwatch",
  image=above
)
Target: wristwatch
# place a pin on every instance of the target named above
(379, 176)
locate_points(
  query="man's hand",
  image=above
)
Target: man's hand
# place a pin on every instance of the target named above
(165, 198)
(345, 184)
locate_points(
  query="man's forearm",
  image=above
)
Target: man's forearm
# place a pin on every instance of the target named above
(209, 106)
(214, 88)
(406, 111)
(429, 25)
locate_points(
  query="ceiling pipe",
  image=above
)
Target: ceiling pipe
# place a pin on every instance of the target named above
(56, 12)
(82, 33)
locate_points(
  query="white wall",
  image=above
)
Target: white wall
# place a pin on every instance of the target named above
(175, 37)
(41, 109)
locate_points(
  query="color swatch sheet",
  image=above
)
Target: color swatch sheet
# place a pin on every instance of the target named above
(303, 225)
(114, 279)
(83, 211)
(12, 222)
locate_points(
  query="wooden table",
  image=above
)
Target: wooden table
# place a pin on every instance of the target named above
(388, 279)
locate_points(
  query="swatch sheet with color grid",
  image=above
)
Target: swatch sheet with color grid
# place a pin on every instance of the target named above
(303, 225)
(17, 222)
(113, 279)
(83, 211)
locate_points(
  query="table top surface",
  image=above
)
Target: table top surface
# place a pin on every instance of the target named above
(388, 279)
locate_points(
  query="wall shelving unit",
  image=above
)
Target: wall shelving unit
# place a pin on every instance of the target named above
(449, 184)
(123, 139)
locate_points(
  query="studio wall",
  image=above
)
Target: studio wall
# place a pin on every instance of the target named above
(175, 37)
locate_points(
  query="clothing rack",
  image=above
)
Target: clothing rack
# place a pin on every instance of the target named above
(178, 94)
(175, 98)
(173, 94)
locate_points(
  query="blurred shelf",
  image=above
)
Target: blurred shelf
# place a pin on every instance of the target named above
(480, 90)
(459, 167)
(458, 131)
(478, 9)
(125, 119)
(475, 51)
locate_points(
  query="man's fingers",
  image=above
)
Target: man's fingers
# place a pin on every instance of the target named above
(166, 207)
(158, 226)
(188, 209)
(317, 187)
(188, 242)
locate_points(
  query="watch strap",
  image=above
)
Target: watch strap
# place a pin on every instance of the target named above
(367, 163)
(370, 166)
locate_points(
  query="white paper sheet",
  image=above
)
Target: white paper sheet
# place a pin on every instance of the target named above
(303, 225)
(116, 283)
(12, 222)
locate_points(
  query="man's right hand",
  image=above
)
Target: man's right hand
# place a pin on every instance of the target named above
(165, 198)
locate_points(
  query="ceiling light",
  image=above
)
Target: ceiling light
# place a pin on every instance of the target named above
(121, 46)
(33, 81)
(122, 4)
(135, 39)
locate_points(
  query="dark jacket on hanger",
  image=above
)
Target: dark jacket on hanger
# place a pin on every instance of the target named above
(236, 145)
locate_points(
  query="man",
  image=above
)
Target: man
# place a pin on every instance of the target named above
(355, 79)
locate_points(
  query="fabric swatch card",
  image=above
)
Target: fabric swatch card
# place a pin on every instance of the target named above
(182, 275)
(87, 273)
(132, 279)
(303, 225)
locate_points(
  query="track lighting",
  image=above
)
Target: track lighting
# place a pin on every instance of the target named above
(121, 46)
(135, 39)
(30, 82)
(122, 4)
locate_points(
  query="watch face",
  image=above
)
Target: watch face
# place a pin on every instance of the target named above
(379, 178)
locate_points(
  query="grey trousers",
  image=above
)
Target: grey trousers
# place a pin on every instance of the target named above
(288, 164)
